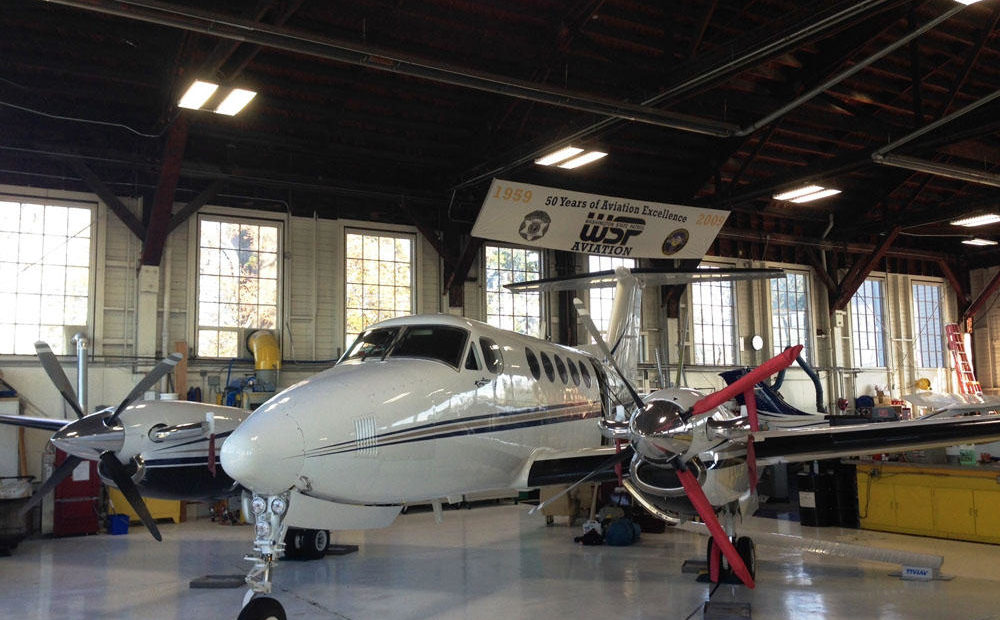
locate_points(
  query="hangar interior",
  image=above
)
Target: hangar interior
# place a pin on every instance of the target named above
(346, 191)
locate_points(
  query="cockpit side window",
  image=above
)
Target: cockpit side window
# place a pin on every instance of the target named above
(470, 359)
(372, 343)
(491, 355)
(439, 342)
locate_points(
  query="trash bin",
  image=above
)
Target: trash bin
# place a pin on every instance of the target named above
(117, 524)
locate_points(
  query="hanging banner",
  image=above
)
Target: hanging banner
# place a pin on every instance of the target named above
(561, 219)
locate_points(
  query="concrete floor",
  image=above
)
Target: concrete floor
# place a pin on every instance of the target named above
(488, 562)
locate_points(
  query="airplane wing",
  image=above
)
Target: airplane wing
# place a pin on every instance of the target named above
(46, 424)
(944, 405)
(790, 446)
(648, 276)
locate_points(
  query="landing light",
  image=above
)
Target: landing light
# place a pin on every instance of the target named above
(258, 505)
(278, 506)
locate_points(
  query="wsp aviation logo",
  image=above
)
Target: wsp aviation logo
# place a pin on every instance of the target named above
(608, 234)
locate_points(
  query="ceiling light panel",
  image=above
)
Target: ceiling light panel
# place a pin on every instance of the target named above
(586, 158)
(235, 101)
(796, 193)
(561, 155)
(823, 193)
(197, 94)
(978, 241)
(977, 220)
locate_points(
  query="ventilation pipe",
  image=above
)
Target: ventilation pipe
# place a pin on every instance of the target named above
(267, 357)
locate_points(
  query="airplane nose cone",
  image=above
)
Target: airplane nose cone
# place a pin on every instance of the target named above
(89, 437)
(265, 453)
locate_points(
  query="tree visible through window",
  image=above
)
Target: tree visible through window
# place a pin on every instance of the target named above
(867, 327)
(237, 283)
(927, 325)
(790, 313)
(44, 274)
(520, 312)
(713, 323)
(379, 278)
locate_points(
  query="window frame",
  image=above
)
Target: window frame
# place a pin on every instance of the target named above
(915, 327)
(880, 338)
(95, 206)
(414, 266)
(734, 312)
(239, 219)
(486, 292)
(777, 347)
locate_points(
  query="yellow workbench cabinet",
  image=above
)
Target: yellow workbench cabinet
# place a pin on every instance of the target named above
(158, 508)
(946, 501)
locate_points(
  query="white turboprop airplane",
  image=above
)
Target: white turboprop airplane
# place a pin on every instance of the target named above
(436, 406)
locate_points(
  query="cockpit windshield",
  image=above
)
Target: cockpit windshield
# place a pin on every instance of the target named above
(439, 342)
(373, 343)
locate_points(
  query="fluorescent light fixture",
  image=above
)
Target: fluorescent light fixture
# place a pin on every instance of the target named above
(235, 101)
(796, 193)
(977, 220)
(197, 94)
(978, 241)
(558, 156)
(586, 158)
(966, 2)
(823, 193)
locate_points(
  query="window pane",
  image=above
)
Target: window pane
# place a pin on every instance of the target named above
(602, 299)
(44, 273)
(237, 283)
(867, 327)
(520, 312)
(789, 313)
(378, 272)
(927, 328)
(713, 323)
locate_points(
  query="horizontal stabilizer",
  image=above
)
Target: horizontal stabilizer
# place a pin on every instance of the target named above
(648, 276)
(46, 424)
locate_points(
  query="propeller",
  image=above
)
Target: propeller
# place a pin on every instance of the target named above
(61, 473)
(55, 372)
(119, 474)
(166, 365)
(97, 434)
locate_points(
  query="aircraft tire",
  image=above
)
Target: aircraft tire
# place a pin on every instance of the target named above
(263, 608)
(304, 544)
(316, 543)
(748, 553)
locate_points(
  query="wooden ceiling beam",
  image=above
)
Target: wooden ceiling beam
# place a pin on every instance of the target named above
(163, 199)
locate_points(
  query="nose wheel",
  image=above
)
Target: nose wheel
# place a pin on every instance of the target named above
(263, 608)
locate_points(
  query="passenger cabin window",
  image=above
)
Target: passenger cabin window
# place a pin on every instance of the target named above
(573, 372)
(491, 355)
(561, 368)
(436, 342)
(585, 373)
(372, 343)
(547, 365)
(536, 371)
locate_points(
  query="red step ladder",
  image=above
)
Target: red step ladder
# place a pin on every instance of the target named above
(967, 383)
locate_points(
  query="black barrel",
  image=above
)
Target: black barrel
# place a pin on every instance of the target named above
(816, 499)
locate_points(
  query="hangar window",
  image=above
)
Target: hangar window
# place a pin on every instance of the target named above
(927, 325)
(238, 282)
(519, 312)
(713, 323)
(790, 312)
(45, 276)
(868, 326)
(536, 371)
(602, 299)
(379, 279)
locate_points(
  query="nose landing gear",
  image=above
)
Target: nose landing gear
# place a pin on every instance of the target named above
(268, 513)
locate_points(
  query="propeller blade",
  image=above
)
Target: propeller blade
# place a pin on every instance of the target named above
(166, 365)
(613, 461)
(55, 372)
(61, 473)
(707, 513)
(588, 323)
(123, 481)
(747, 381)
(211, 454)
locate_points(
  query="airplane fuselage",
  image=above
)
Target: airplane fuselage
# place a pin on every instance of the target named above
(445, 406)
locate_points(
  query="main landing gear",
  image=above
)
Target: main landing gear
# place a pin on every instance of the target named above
(268, 512)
